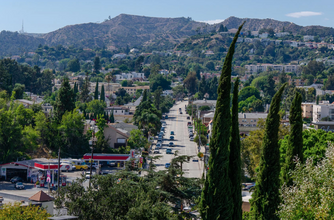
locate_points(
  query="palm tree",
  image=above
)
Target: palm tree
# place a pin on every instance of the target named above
(150, 122)
(108, 77)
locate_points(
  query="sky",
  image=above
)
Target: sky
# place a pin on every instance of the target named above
(43, 16)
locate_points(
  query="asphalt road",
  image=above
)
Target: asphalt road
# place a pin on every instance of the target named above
(178, 123)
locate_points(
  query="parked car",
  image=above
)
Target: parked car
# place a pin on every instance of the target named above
(172, 133)
(167, 165)
(166, 116)
(191, 139)
(156, 151)
(19, 185)
(188, 117)
(189, 123)
(249, 187)
(16, 179)
(171, 144)
(171, 137)
(180, 112)
(88, 174)
(191, 135)
(158, 146)
(169, 151)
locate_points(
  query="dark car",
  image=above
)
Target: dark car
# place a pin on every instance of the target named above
(16, 179)
(191, 135)
(188, 117)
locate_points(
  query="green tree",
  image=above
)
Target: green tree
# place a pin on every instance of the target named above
(72, 139)
(19, 90)
(102, 143)
(137, 140)
(18, 212)
(158, 97)
(247, 92)
(84, 95)
(96, 94)
(97, 65)
(96, 107)
(102, 97)
(295, 147)
(216, 199)
(190, 82)
(235, 159)
(112, 119)
(65, 100)
(265, 199)
(73, 65)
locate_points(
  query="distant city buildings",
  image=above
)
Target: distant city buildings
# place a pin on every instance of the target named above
(258, 68)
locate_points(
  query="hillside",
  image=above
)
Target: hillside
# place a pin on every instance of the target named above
(13, 43)
(125, 30)
(132, 30)
(254, 24)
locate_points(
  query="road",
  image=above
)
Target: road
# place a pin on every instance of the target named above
(178, 123)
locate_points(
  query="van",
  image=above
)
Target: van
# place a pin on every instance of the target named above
(79, 164)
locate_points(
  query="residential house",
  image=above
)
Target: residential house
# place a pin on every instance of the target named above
(250, 119)
(263, 35)
(308, 37)
(167, 93)
(116, 137)
(117, 110)
(282, 34)
(124, 126)
(164, 72)
(119, 56)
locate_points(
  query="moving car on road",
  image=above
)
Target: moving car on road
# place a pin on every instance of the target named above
(169, 151)
(188, 117)
(158, 146)
(172, 133)
(19, 185)
(171, 144)
(191, 139)
(167, 165)
(171, 137)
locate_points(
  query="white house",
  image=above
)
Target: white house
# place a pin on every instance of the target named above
(282, 34)
(308, 37)
(167, 93)
(263, 35)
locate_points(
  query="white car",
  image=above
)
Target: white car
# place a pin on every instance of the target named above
(19, 185)
(191, 139)
(158, 146)
(88, 174)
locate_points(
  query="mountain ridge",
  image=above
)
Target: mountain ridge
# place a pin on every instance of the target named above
(135, 30)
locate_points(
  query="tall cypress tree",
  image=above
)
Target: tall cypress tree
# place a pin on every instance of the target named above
(64, 101)
(235, 159)
(96, 94)
(265, 199)
(112, 119)
(216, 202)
(102, 97)
(295, 141)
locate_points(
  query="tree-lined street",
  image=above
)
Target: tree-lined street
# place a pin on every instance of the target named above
(178, 123)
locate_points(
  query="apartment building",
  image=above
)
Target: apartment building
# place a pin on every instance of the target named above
(307, 109)
(322, 111)
(129, 76)
(132, 90)
(254, 69)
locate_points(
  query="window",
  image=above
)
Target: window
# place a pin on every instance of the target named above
(254, 120)
(121, 140)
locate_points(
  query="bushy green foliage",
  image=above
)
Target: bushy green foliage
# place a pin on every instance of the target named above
(310, 196)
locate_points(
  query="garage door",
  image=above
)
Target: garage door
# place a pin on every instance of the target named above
(11, 172)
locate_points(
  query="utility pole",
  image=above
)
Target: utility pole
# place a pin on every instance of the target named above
(58, 172)
(91, 160)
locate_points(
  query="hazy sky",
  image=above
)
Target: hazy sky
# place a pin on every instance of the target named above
(42, 16)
